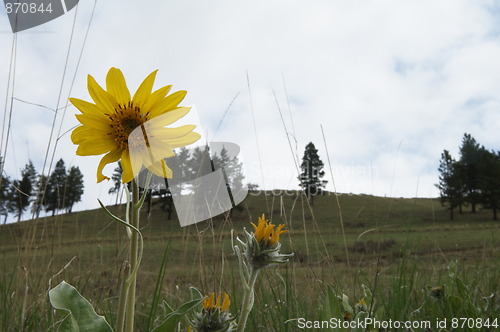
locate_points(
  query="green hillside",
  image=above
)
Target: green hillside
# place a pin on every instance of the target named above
(368, 241)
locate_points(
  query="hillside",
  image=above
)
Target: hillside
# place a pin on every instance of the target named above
(87, 248)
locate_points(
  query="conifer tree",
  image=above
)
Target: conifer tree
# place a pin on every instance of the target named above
(21, 191)
(470, 157)
(74, 188)
(4, 195)
(42, 187)
(451, 188)
(489, 181)
(312, 172)
(57, 180)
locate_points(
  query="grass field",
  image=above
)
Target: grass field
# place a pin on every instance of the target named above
(399, 249)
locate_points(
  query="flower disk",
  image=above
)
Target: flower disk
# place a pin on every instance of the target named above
(131, 129)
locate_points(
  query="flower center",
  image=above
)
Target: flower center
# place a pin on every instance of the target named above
(124, 121)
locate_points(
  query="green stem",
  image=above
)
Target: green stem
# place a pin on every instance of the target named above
(122, 300)
(248, 298)
(134, 259)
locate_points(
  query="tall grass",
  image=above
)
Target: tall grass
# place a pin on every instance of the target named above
(400, 264)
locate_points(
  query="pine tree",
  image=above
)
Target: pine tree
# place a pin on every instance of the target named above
(57, 180)
(233, 173)
(451, 187)
(74, 188)
(312, 172)
(21, 191)
(4, 195)
(489, 181)
(470, 157)
(42, 187)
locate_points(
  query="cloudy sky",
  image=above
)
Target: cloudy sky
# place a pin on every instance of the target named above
(391, 82)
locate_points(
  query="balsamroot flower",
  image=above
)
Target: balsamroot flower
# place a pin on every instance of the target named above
(215, 315)
(131, 129)
(262, 247)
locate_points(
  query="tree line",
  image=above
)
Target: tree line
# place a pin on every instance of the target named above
(472, 180)
(58, 191)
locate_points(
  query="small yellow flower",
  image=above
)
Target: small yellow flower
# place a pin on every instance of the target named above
(215, 315)
(131, 129)
(262, 247)
(266, 234)
(210, 303)
(437, 292)
(361, 305)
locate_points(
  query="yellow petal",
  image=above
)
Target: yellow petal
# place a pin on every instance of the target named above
(168, 103)
(130, 166)
(109, 158)
(143, 93)
(88, 108)
(161, 169)
(184, 140)
(101, 97)
(83, 133)
(219, 299)
(226, 303)
(208, 302)
(97, 122)
(169, 133)
(156, 151)
(167, 118)
(156, 97)
(116, 85)
(94, 147)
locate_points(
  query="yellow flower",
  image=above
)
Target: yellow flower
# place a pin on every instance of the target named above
(266, 233)
(210, 303)
(215, 315)
(131, 129)
(361, 305)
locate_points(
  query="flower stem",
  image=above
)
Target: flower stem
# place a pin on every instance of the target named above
(122, 300)
(248, 298)
(134, 259)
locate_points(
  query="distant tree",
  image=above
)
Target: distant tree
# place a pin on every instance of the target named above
(57, 180)
(489, 181)
(252, 186)
(74, 188)
(40, 197)
(470, 157)
(451, 188)
(117, 182)
(183, 170)
(4, 196)
(312, 172)
(21, 191)
(199, 163)
(233, 172)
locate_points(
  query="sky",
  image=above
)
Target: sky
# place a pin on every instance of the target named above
(390, 83)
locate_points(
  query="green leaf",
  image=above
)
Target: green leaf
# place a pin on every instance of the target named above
(196, 294)
(81, 316)
(345, 304)
(368, 293)
(360, 318)
(331, 306)
(173, 318)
